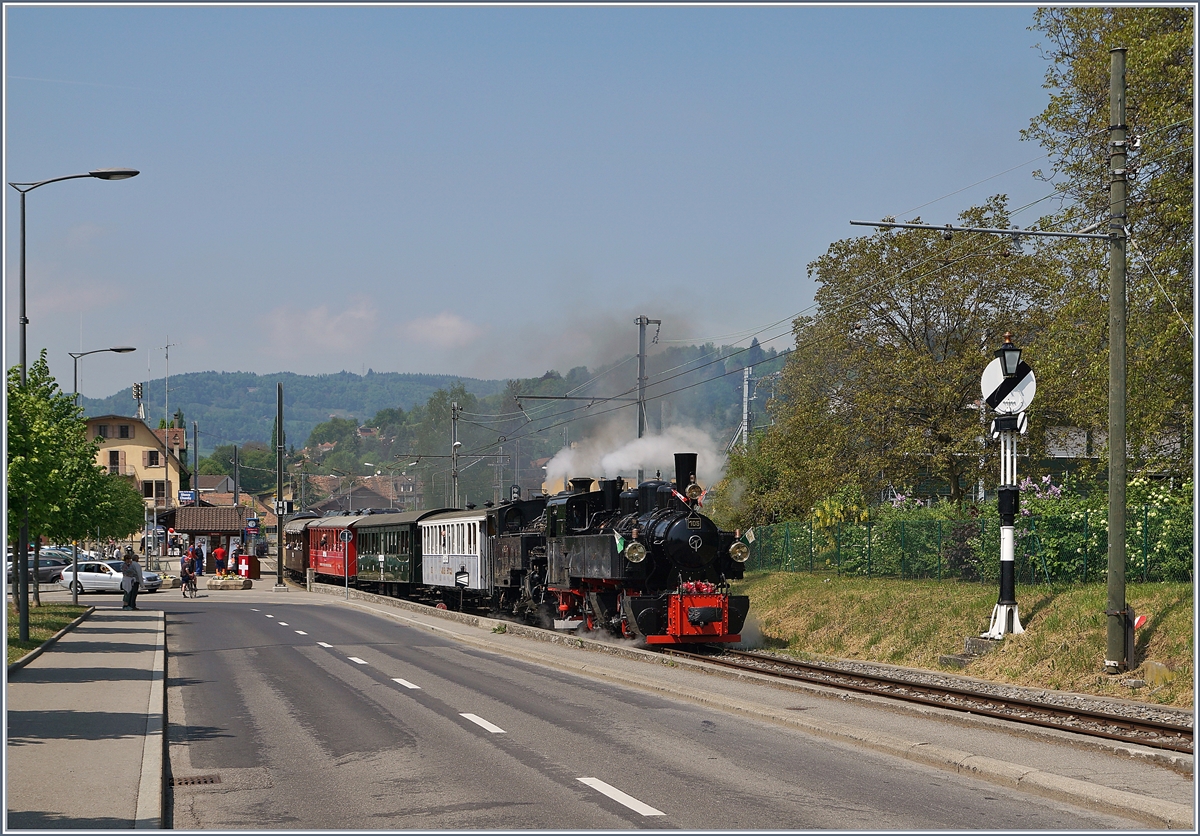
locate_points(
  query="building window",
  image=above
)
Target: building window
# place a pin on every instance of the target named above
(152, 458)
(102, 430)
(123, 431)
(155, 489)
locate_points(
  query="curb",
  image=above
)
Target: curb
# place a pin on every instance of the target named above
(1145, 808)
(37, 651)
(151, 797)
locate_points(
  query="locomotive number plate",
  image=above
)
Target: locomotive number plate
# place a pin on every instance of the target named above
(694, 522)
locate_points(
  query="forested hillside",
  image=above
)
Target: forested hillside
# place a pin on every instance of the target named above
(238, 407)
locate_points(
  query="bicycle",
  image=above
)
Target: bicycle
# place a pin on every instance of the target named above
(190, 586)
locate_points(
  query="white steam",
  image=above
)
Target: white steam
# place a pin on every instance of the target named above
(609, 454)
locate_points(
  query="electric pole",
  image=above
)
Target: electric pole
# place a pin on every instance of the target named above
(642, 322)
(1116, 656)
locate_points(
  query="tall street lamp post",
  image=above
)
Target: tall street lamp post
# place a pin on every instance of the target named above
(23, 541)
(75, 355)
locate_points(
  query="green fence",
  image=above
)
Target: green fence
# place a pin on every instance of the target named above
(1067, 548)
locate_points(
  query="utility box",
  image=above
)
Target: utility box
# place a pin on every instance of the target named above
(248, 566)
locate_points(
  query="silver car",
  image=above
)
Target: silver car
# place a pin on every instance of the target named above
(104, 576)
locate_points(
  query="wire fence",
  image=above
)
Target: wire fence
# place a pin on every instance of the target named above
(1069, 548)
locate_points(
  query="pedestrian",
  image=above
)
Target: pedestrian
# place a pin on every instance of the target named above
(235, 552)
(199, 558)
(116, 552)
(219, 558)
(131, 575)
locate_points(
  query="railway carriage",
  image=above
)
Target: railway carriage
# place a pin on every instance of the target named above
(388, 551)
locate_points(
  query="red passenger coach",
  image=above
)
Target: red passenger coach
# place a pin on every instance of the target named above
(328, 554)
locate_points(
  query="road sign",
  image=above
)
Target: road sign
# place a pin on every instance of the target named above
(1008, 395)
(252, 524)
(346, 535)
(187, 496)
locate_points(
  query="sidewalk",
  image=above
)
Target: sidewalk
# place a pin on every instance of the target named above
(85, 727)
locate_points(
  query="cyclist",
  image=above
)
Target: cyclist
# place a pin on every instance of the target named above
(188, 578)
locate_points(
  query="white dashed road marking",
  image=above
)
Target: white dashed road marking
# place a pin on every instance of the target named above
(324, 645)
(621, 798)
(356, 660)
(268, 615)
(282, 623)
(408, 684)
(301, 632)
(482, 723)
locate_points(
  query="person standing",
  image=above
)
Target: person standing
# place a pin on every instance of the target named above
(235, 551)
(199, 558)
(129, 581)
(219, 558)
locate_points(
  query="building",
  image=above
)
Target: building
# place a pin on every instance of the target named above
(214, 484)
(152, 460)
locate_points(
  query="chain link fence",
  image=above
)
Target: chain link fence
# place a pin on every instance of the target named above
(1067, 548)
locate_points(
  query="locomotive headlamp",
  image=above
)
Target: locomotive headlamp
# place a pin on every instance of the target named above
(739, 552)
(635, 552)
(694, 491)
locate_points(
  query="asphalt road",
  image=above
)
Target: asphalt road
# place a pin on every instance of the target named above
(295, 712)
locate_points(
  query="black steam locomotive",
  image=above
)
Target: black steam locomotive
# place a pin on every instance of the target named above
(641, 563)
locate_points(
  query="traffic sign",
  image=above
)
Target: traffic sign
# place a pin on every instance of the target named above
(252, 524)
(346, 535)
(1008, 395)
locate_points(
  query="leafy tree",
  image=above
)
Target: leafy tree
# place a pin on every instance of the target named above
(1071, 336)
(49, 454)
(883, 387)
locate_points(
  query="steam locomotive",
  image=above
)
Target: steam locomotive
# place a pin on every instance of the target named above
(640, 563)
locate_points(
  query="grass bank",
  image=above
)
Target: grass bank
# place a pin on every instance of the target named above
(912, 623)
(44, 622)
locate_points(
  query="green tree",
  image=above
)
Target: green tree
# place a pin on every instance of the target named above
(1071, 334)
(48, 453)
(883, 387)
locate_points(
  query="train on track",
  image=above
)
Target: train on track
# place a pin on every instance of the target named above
(641, 562)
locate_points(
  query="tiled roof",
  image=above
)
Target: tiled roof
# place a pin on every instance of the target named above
(201, 519)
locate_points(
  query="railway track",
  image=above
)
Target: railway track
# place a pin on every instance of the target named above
(1128, 728)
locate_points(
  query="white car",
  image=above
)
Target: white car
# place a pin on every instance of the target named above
(104, 576)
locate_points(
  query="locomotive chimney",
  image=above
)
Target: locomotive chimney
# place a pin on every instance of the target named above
(611, 488)
(685, 470)
(581, 484)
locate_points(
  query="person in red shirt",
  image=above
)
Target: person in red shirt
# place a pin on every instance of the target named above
(219, 558)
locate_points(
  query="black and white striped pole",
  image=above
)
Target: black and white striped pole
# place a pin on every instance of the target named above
(1008, 386)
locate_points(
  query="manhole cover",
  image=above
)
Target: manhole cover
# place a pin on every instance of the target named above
(193, 780)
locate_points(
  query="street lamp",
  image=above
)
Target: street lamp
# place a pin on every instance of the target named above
(75, 355)
(118, 349)
(1010, 356)
(23, 540)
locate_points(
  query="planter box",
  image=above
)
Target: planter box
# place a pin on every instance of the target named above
(229, 583)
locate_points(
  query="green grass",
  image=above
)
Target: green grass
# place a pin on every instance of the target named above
(913, 623)
(44, 622)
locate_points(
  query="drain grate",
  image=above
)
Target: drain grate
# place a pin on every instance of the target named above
(194, 780)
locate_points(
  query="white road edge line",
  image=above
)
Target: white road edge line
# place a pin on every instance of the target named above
(482, 723)
(356, 660)
(408, 684)
(621, 798)
(324, 645)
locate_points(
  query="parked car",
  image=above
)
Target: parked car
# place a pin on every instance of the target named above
(104, 576)
(49, 570)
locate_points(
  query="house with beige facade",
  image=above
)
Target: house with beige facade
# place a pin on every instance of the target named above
(152, 460)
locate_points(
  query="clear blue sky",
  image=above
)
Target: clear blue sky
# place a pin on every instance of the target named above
(489, 192)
